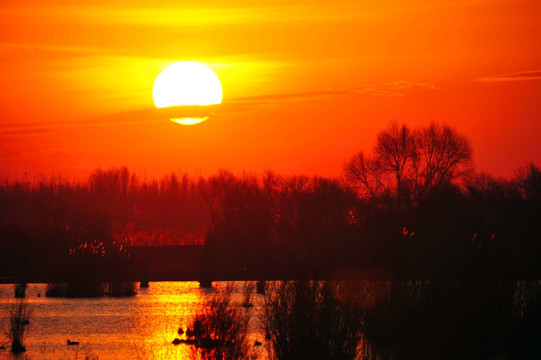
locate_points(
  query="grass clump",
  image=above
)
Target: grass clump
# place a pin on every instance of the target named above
(311, 320)
(55, 290)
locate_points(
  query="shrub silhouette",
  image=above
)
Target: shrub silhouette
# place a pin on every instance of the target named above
(220, 328)
(17, 327)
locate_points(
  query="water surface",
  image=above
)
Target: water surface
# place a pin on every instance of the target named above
(138, 327)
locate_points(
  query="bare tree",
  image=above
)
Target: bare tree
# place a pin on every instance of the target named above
(363, 173)
(443, 155)
(117, 181)
(395, 152)
(528, 181)
(408, 163)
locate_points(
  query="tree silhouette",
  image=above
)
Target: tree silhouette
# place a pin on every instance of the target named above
(442, 155)
(406, 164)
(395, 155)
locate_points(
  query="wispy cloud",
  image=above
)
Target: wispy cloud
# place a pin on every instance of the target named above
(398, 88)
(24, 130)
(241, 104)
(122, 118)
(531, 75)
(294, 96)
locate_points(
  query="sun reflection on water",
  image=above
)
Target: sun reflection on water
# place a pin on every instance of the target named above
(157, 320)
(189, 121)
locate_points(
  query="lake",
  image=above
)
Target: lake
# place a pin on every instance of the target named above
(138, 327)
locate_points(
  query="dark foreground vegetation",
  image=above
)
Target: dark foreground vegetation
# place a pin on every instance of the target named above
(368, 319)
(405, 320)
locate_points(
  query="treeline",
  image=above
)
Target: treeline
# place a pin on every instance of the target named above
(413, 204)
(136, 210)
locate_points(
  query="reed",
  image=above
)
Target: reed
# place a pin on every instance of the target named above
(311, 320)
(17, 327)
(122, 288)
(55, 290)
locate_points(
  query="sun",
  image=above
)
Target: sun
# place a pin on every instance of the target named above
(187, 83)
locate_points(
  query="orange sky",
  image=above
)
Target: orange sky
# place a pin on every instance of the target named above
(305, 84)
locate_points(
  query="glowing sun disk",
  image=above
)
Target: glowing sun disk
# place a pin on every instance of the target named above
(187, 83)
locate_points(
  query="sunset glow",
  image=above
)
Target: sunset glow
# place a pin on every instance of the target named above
(272, 180)
(333, 74)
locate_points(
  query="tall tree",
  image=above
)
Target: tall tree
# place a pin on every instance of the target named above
(407, 164)
(442, 155)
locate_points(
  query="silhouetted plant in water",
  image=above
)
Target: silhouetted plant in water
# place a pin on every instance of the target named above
(311, 320)
(455, 319)
(20, 290)
(90, 256)
(17, 326)
(85, 287)
(122, 288)
(55, 290)
(219, 330)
